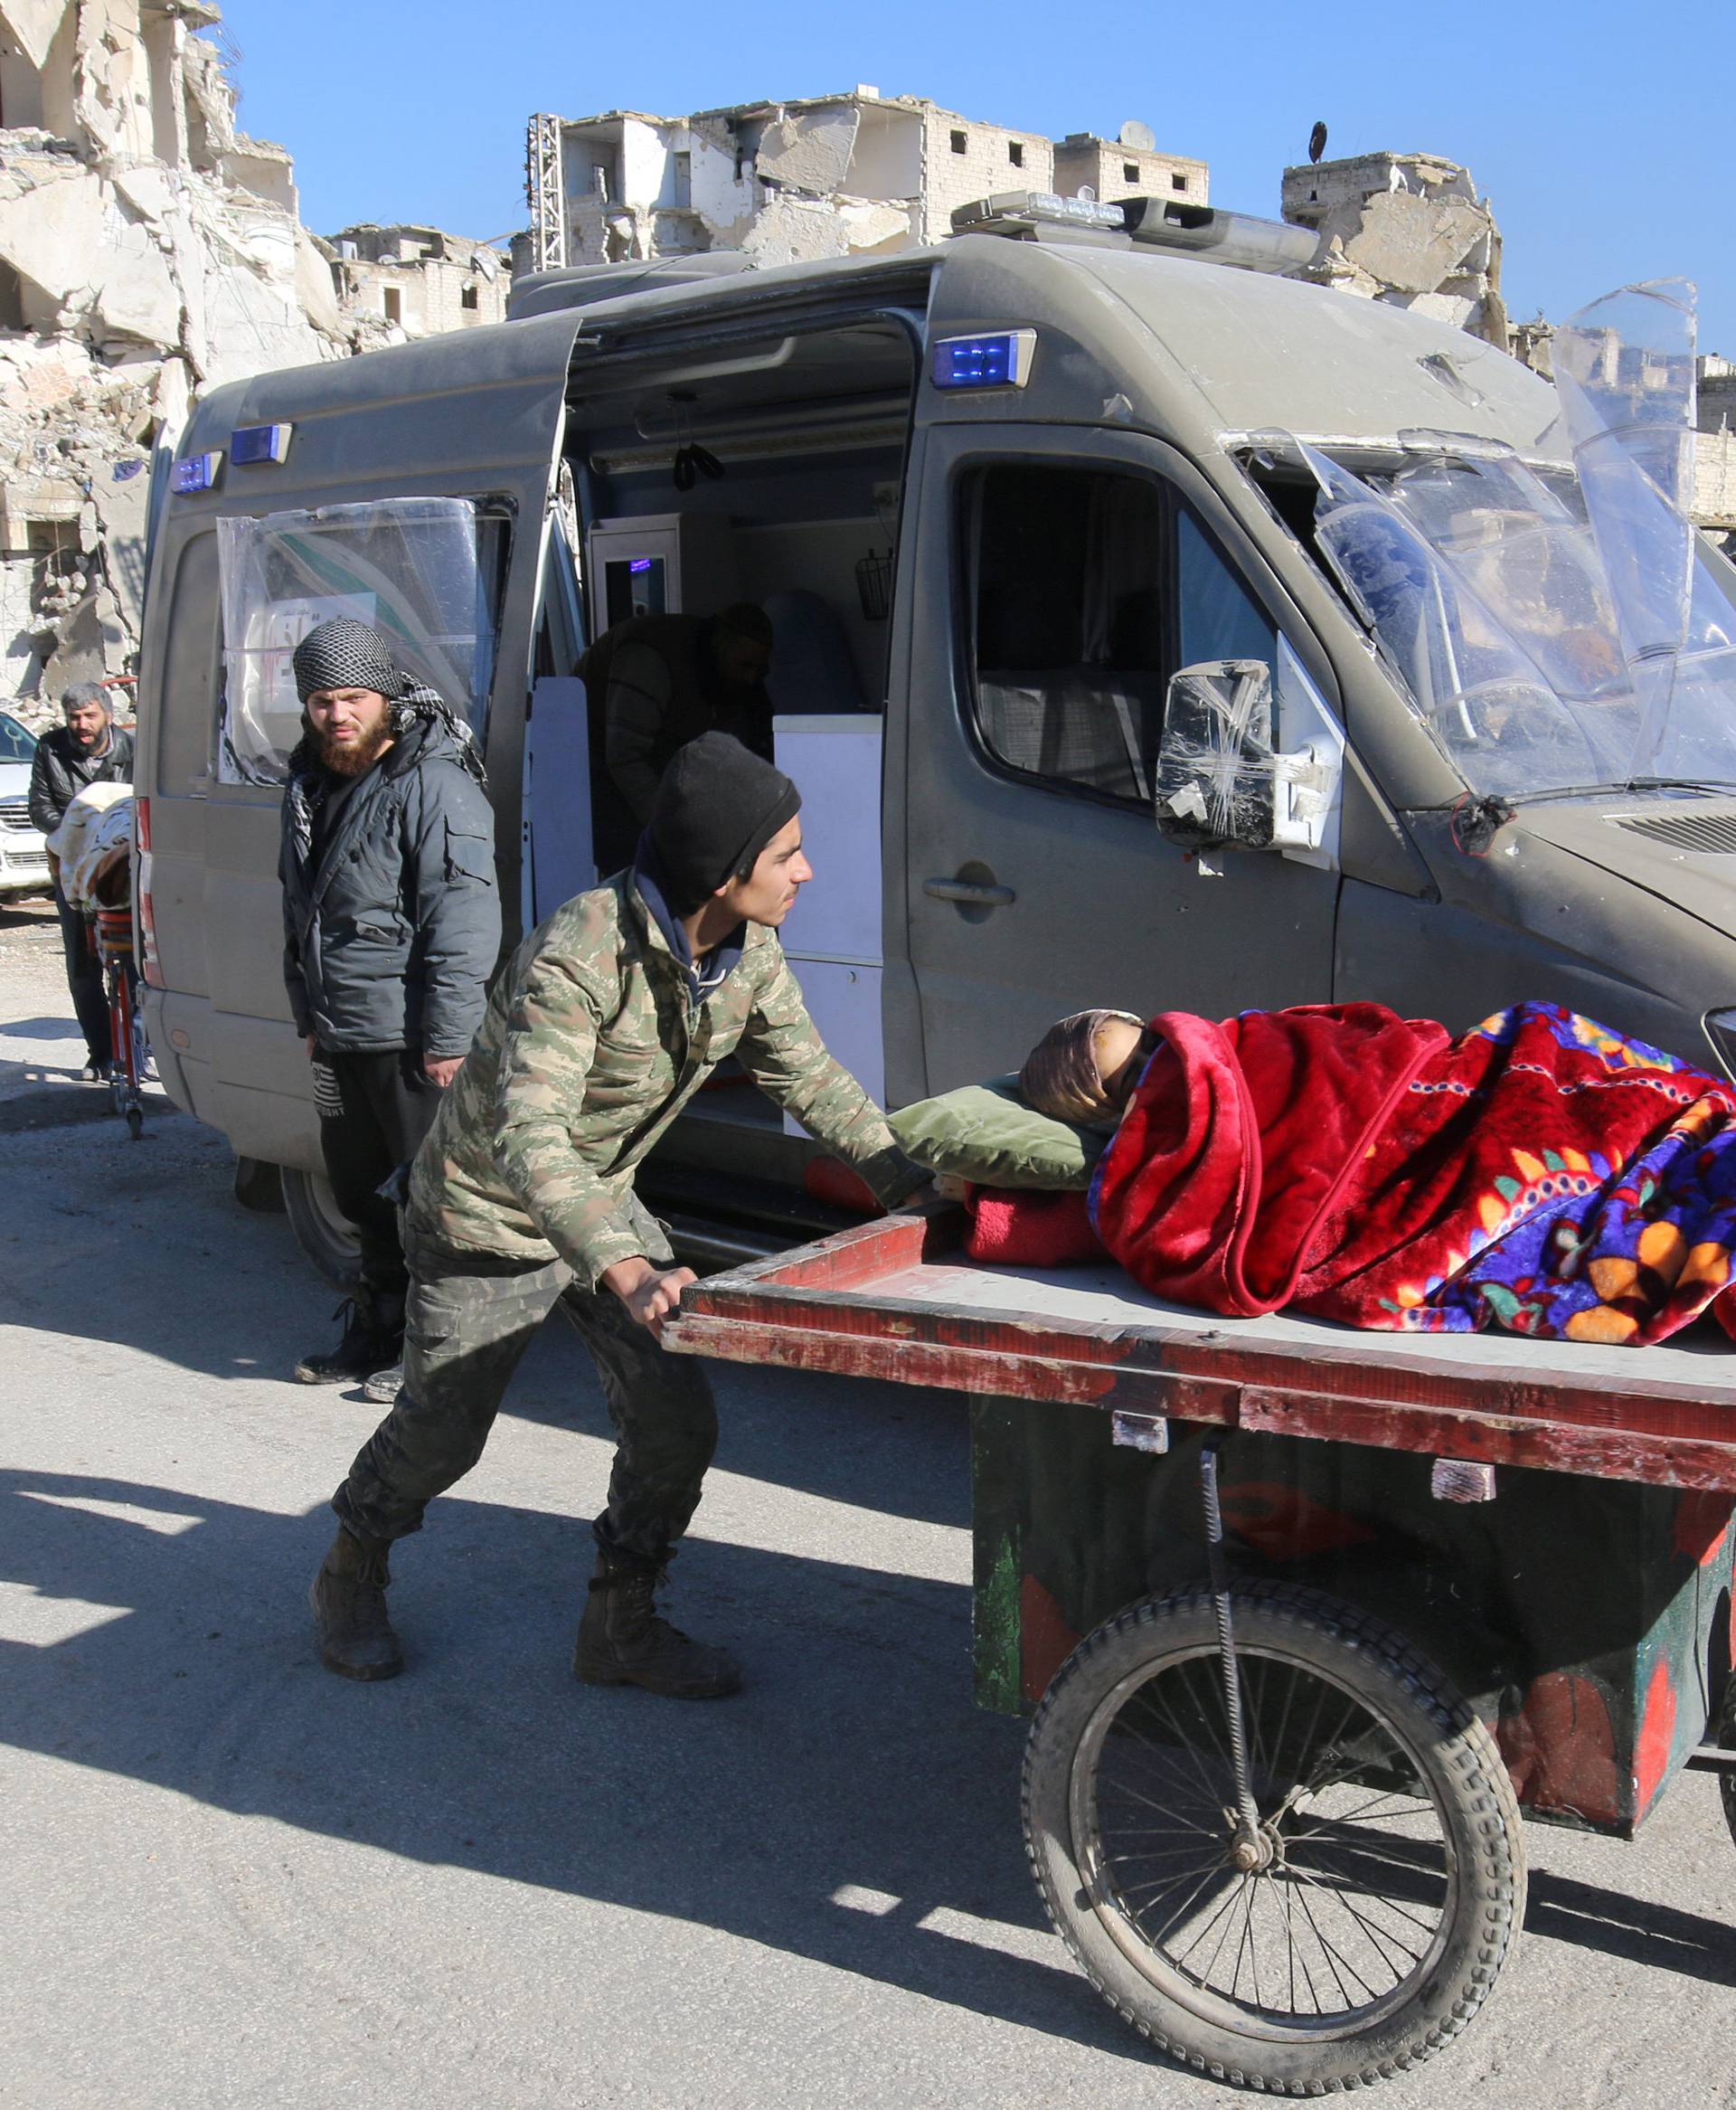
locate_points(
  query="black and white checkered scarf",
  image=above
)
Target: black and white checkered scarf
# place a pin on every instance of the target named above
(346, 654)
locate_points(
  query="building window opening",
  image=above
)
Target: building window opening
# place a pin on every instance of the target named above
(1178, 183)
(683, 181)
(1129, 172)
(469, 297)
(392, 300)
(1016, 153)
(959, 143)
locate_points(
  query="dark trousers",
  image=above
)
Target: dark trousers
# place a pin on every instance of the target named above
(84, 980)
(374, 1111)
(470, 1318)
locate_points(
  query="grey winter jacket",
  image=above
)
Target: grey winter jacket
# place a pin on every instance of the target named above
(389, 944)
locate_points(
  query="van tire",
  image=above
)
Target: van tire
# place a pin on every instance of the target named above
(321, 1230)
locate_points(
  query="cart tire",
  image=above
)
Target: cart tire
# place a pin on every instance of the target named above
(135, 1122)
(322, 1231)
(1727, 1741)
(1378, 1712)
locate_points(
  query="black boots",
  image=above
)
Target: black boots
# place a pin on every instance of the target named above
(373, 1340)
(623, 1642)
(349, 1601)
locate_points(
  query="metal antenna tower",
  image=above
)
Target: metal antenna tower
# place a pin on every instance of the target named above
(545, 193)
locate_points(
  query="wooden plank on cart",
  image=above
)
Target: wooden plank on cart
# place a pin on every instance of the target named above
(894, 1300)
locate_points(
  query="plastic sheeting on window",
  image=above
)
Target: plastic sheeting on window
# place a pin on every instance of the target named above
(1219, 776)
(1553, 631)
(411, 567)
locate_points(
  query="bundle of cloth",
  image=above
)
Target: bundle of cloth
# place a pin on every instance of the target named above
(1540, 1173)
(94, 846)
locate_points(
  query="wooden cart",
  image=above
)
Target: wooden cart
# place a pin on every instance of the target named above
(1305, 1618)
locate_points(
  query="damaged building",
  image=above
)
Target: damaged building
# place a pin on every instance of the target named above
(149, 250)
(1408, 229)
(397, 283)
(832, 175)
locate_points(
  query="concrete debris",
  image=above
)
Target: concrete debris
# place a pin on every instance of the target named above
(832, 175)
(1407, 229)
(148, 249)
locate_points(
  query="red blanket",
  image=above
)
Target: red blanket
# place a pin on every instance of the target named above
(1540, 1173)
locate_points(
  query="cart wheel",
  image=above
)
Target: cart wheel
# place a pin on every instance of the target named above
(135, 1121)
(1391, 1875)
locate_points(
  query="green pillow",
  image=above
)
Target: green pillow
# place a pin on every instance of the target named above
(985, 1132)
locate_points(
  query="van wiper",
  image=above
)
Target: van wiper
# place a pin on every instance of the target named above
(1625, 784)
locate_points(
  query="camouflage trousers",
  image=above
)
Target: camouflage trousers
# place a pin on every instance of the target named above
(469, 1320)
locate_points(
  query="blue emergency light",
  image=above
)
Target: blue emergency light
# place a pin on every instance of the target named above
(195, 472)
(249, 446)
(999, 359)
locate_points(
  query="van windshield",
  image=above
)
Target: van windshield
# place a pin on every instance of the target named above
(1500, 607)
(1557, 630)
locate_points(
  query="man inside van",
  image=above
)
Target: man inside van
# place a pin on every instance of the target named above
(600, 1029)
(88, 749)
(656, 682)
(391, 928)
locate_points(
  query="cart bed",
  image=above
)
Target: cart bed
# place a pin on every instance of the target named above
(898, 1300)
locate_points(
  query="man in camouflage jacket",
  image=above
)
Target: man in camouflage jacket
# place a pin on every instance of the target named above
(605, 1024)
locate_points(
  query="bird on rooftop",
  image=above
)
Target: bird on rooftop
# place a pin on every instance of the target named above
(1317, 140)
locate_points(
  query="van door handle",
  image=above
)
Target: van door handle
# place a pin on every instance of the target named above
(971, 891)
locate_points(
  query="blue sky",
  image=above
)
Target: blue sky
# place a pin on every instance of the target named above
(1598, 132)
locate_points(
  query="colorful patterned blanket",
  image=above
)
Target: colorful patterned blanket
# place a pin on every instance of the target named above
(1541, 1173)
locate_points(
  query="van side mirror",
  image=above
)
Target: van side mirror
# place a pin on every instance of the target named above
(1215, 764)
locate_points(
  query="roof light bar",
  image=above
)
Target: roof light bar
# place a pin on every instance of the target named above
(992, 214)
(1240, 239)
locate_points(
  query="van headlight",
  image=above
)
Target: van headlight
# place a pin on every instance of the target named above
(1721, 1030)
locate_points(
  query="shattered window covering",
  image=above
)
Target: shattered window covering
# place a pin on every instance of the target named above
(420, 571)
(1551, 633)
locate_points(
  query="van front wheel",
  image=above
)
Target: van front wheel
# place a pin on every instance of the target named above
(322, 1230)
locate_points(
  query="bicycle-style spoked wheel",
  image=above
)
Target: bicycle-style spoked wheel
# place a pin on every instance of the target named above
(1364, 1917)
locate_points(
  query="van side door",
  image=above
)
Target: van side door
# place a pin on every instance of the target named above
(1061, 575)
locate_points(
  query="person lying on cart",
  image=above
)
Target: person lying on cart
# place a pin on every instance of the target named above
(1542, 1173)
(600, 1029)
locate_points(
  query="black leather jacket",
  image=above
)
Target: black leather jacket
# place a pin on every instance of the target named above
(62, 768)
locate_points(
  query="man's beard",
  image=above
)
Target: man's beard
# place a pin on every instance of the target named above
(356, 760)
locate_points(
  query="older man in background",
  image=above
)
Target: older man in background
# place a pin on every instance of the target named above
(89, 748)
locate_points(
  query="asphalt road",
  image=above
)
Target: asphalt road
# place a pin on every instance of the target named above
(232, 1880)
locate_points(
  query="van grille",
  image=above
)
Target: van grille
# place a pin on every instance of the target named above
(1714, 832)
(14, 816)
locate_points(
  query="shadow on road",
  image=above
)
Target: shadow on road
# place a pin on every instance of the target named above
(853, 1764)
(1658, 1936)
(192, 1278)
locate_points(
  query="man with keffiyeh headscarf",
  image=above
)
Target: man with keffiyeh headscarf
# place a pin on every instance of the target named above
(391, 927)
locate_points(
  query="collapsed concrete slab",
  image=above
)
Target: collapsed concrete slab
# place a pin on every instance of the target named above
(1406, 229)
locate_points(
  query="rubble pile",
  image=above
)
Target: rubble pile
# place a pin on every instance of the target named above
(146, 249)
(1408, 229)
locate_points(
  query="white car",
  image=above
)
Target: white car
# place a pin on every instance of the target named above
(24, 856)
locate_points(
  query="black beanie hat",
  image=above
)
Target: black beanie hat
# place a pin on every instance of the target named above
(716, 808)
